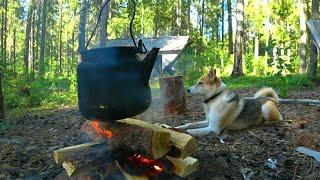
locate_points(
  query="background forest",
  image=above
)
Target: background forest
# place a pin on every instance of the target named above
(40, 41)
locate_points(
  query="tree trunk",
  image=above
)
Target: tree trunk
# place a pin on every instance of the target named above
(202, 18)
(222, 21)
(230, 32)
(60, 39)
(173, 95)
(103, 25)
(303, 37)
(156, 19)
(2, 31)
(312, 68)
(43, 38)
(178, 18)
(142, 19)
(14, 49)
(176, 15)
(27, 39)
(72, 50)
(38, 28)
(82, 25)
(237, 66)
(256, 45)
(33, 40)
(4, 51)
(2, 115)
(189, 18)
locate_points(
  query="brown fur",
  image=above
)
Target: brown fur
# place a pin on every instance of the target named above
(274, 114)
(225, 110)
(229, 117)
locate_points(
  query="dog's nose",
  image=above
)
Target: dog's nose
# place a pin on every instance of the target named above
(188, 90)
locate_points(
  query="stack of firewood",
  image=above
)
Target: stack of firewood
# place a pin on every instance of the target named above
(129, 135)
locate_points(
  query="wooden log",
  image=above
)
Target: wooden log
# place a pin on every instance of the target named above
(294, 101)
(299, 101)
(184, 167)
(80, 160)
(61, 155)
(88, 158)
(83, 160)
(154, 143)
(173, 95)
(134, 137)
(183, 145)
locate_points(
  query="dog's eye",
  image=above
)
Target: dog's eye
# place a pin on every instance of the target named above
(200, 82)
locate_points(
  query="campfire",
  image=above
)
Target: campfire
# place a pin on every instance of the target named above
(130, 149)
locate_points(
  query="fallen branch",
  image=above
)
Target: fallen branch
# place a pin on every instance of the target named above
(312, 102)
(253, 134)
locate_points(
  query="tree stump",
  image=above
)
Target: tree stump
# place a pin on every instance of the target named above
(173, 95)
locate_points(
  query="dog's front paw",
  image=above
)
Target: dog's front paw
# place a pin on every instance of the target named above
(185, 126)
(199, 132)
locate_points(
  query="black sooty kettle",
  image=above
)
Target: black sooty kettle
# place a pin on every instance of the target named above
(113, 82)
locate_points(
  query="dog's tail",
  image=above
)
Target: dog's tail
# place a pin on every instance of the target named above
(267, 92)
(270, 112)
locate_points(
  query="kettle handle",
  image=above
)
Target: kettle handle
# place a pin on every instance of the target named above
(97, 23)
(139, 49)
(131, 24)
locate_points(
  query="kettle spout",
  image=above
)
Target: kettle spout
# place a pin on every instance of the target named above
(149, 61)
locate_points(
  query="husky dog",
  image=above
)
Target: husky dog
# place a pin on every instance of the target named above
(225, 110)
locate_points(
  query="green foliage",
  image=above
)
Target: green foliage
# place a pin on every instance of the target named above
(25, 93)
(275, 23)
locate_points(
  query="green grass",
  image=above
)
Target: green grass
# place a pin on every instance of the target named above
(6, 125)
(290, 82)
(48, 94)
(280, 83)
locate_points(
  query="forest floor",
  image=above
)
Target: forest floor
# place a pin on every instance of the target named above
(28, 142)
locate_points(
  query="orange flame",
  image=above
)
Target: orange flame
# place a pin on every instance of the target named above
(100, 131)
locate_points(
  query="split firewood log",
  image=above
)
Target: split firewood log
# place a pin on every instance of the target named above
(81, 159)
(184, 167)
(183, 145)
(154, 143)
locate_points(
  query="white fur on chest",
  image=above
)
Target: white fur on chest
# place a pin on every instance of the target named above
(215, 109)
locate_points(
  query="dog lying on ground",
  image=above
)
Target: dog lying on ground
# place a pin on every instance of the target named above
(225, 110)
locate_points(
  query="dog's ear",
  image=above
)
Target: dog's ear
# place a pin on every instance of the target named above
(212, 73)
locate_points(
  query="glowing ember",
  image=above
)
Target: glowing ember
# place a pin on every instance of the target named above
(158, 168)
(145, 164)
(100, 131)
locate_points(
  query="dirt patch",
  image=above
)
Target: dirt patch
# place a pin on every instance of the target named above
(26, 150)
